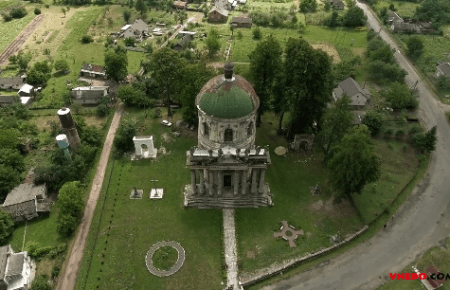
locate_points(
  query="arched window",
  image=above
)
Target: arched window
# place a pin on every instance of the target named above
(205, 129)
(228, 135)
(250, 129)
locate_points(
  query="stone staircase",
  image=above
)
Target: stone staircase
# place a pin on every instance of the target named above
(227, 200)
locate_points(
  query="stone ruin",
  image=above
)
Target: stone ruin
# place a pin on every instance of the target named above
(144, 147)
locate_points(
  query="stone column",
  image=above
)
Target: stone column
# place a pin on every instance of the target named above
(244, 182)
(261, 180)
(236, 182)
(220, 181)
(211, 183)
(202, 181)
(193, 181)
(254, 173)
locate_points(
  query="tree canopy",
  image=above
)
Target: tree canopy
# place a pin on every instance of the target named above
(116, 62)
(307, 84)
(39, 74)
(354, 163)
(354, 17)
(265, 64)
(436, 11)
(71, 204)
(400, 96)
(166, 66)
(415, 47)
(308, 6)
(6, 226)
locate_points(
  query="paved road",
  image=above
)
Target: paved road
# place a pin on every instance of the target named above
(70, 272)
(422, 222)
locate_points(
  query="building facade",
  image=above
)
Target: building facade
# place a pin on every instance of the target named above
(227, 169)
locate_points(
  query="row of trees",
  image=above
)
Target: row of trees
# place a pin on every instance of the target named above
(353, 17)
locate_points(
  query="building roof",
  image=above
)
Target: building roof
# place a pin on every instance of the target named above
(351, 88)
(89, 92)
(11, 81)
(434, 283)
(179, 4)
(394, 17)
(3, 260)
(6, 99)
(125, 27)
(139, 25)
(444, 67)
(26, 88)
(336, 2)
(221, 11)
(241, 20)
(227, 98)
(128, 33)
(187, 32)
(93, 67)
(23, 193)
(15, 264)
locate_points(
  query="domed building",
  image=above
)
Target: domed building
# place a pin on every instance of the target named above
(227, 170)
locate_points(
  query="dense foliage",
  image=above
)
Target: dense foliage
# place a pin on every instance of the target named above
(116, 63)
(400, 96)
(415, 47)
(6, 226)
(374, 121)
(70, 204)
(124, 137)
(436, 11)
(39, 73)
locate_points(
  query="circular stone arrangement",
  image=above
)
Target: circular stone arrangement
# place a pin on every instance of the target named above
(162, 273)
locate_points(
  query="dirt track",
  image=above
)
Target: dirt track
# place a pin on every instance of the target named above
(16, 45)
(72, 265)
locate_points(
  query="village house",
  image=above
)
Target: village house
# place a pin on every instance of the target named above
(93, 71)
(337, 4)
(11, 83)
(138, 30)
(241, 22)
(412, 27)
(443, 69)
(17, 270)
(183, 42)
(26, 201)
(217, 14)
(89, 95)
(179, 5)
(6, 100)
(359, 97)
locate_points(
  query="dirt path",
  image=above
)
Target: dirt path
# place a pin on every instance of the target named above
(16, 45)
(69, 275)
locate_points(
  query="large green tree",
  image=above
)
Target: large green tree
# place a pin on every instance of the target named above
(6, 226)
(434, 10)
(212, 42)
(415, 47)
(307, 84)
(265, 65)
(131, 96)
(400, 96)
(39, 74)
(354, 163)
(9, 178)
(141, 7)
(337, 121)
(116, 62)
(166, 66)
(354, 17)
(71, 204)
(194, 77)
(308, 6)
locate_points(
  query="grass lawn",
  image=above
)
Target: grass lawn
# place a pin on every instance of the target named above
(10, 30)
(436, 256)
(404, 9)
(290, 180)
(339, 38)
(123, 230)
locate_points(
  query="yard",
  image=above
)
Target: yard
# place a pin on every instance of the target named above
(403, 8)
(290, 179)
(123, 230)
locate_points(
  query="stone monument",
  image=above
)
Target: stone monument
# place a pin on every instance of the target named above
(144, 147)
(227, 170)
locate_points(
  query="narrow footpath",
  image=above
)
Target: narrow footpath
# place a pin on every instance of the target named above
(69, 276)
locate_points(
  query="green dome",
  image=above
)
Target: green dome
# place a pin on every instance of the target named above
(225, 99)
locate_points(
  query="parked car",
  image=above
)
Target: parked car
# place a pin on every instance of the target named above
(166, 123)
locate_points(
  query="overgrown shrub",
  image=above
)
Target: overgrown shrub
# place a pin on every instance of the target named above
(86, 39)
(37, 11)
(374, 121)
(18, 12)
(257, 33)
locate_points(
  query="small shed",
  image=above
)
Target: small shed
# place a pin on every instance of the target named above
(241, 22)
(6, 100)
(26, 201)
(11, 83)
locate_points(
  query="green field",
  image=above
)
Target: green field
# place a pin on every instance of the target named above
(403, 8)
(123, 230)
(339, 38)
(10, 30)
